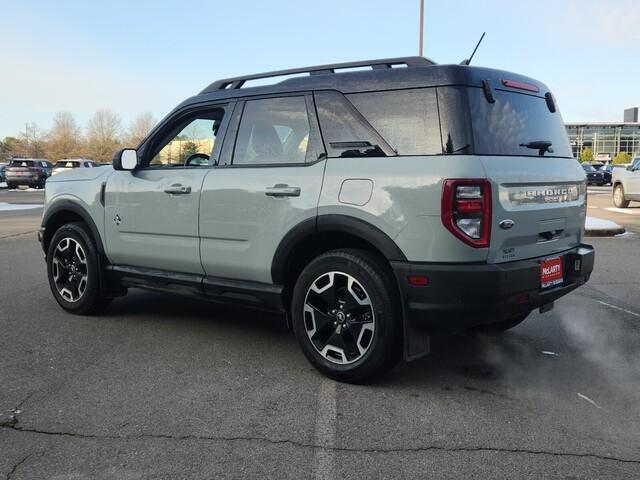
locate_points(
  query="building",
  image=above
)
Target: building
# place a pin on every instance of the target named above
(606, 140)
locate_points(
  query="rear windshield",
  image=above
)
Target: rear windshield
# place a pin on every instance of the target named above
(67, 164)
(513, 120)
(460, 120)
(22, 163)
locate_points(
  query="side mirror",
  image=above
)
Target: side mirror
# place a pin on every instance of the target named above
(125, 159)
(629, 167)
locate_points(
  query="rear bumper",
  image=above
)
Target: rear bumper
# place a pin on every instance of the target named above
(24, 179)
(459, 297)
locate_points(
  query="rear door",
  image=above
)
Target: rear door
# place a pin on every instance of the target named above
(538, 189)
(151, 213)
(267, 180)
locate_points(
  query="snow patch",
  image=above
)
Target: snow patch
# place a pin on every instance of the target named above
(8, 207)
(593, 223)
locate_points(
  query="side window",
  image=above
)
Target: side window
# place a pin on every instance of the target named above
(406, 119)
(346, 133)
(273, 131)
(190, 144)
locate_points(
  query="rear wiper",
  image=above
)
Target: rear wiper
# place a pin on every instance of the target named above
(543, 146)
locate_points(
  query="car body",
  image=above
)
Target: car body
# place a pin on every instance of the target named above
(71, 163)
(607, 171)
(594, 177)
(373, 208)
(32, 172)
(626, 184)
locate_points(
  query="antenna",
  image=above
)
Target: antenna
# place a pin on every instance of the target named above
(468, 61)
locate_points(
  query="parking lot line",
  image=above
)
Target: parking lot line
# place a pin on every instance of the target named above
(624, 210)
(615, 307)
(325, 431)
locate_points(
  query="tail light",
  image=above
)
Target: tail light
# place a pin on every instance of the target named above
(466, 210)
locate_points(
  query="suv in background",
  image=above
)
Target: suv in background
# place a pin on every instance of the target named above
(626, 184)
(71, 163)
(373, 208)
(594, 176)
(32, 172)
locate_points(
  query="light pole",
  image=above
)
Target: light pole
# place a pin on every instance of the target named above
(420, 46)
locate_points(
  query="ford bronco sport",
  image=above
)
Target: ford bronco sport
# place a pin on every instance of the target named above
(373, 203)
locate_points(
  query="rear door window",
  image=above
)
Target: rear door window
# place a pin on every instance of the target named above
(406, 119)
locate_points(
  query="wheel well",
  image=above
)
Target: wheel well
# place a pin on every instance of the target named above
(316, 244)
(57, 220)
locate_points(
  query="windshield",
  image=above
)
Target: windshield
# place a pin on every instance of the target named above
(67, 164)
(515, 124)
(588, 168)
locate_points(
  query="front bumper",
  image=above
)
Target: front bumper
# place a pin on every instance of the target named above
(459, 297)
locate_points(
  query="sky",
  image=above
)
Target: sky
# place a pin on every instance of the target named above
(136, 56)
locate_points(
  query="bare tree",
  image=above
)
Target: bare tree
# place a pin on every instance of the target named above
(64, 138)
(103, 135)
(32, 141)
(139, 128)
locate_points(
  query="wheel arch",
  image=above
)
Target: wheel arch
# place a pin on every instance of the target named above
(66, 211)
(315, 236)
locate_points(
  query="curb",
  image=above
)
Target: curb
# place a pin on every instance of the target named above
(605, 232)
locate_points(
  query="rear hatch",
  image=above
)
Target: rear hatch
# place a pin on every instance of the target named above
(21, 168)
(538, 188)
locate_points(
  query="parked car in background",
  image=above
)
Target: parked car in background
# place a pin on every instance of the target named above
(32, 172)
(71, 163)
(594, 177)
(626, 184)
(3, 166)
(606, 171)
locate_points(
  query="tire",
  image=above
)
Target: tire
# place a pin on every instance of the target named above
(334, 289)
(618, 197)
(500, 327)
(74, 281)
(11, 186)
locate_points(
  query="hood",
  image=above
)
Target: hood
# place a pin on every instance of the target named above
(78, 174)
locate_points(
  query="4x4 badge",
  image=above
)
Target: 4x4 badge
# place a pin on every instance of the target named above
(506, 224)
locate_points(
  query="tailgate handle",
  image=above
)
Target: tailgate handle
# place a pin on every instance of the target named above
(549, 235)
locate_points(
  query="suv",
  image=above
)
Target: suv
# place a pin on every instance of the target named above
(70, 163)
(373, 207)
(32, 172)
(626, 184)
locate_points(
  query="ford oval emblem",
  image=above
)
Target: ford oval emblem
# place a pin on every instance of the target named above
(506, 224)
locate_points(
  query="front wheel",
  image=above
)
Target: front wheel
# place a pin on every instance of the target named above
(618, 197)
(73, 270)
(345, 315)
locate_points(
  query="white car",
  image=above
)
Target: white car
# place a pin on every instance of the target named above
(70, 163)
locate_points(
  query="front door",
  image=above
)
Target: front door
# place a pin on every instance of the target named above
(151, 213)
(267, 181)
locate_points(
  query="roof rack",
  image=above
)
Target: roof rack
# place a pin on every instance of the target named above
(237, 82)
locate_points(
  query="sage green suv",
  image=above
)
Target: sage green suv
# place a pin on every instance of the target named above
(372, 206)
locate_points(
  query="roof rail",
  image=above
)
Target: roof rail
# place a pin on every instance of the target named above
(237, 82)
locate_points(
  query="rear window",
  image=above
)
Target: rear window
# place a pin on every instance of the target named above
(501, 127)
(67, 164)
(406, 119)
(22, 163)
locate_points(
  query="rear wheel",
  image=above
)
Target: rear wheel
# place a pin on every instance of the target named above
(345, 315)
(618, 197)
(73, 270)
(499, 327)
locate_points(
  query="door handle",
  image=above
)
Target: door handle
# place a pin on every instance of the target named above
(177, 189)
(281, 190)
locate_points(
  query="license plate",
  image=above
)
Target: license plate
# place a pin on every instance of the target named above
(551, 272)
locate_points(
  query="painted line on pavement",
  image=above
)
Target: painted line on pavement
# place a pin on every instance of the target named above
(615, 307)
(624, 210)
(325, 432)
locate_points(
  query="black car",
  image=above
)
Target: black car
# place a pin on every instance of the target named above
(32, 172)
(594, 177)
(607, 171)
(2, 174)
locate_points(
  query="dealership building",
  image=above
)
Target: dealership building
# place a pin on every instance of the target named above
(606, 140)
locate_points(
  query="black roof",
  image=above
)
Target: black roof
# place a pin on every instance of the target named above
(383, 75)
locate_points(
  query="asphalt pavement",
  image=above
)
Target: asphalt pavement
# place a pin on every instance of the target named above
(165, 387)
